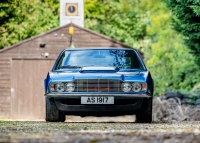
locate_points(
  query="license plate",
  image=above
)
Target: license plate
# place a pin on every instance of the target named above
(97, 100)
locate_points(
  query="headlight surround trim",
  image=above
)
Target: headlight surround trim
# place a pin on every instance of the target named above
(70, 86)
(126, 87)
(141, 86)
(61, 87)
(136, 87)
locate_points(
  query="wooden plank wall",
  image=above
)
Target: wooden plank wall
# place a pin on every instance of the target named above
(56, 41)
(5, 81)
(27, 100)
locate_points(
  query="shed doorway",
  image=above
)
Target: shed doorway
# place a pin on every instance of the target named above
(27, 88)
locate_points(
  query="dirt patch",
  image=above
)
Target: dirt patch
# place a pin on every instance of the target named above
(101, 119)
(92, 132)
(110, 137)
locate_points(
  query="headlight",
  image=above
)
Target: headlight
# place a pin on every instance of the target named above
(137, 87)
(126, 87)
(70, 87)
(59, 87)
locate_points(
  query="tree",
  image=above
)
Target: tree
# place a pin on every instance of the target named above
(118, 19)
(166, 56)
(54, 5)
(26, 20)
(6, 11)
(187, 22)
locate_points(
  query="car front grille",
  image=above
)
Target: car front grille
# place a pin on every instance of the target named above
(97, 85)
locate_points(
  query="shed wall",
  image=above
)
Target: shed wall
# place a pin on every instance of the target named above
(28, 101)
(56, 40)
(5, 93)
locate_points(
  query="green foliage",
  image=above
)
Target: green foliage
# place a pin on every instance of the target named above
(168, 59)
(6, 11)
(118, 19)
(27, 19)
(54, 6)
(187, 22)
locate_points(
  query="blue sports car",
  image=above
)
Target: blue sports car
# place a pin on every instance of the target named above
(99, 82)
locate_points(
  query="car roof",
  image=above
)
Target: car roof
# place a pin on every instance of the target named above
(98, 48)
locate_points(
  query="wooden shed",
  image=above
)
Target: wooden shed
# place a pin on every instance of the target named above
(23, 67)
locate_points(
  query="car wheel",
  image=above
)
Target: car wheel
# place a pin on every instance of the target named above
(144, 114)
(52, 112)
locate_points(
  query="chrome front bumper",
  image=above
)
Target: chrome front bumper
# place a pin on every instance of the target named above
(64, 95)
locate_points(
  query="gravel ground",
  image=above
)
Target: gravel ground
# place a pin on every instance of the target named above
(173, 123)
(99, 132)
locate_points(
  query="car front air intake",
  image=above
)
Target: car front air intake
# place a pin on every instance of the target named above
(97, 85)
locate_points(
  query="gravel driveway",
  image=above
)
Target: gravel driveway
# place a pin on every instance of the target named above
(182, 125)
(99, 130)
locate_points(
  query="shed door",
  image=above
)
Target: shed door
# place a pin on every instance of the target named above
(27, 88)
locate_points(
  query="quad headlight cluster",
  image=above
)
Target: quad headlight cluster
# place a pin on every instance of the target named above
(135, 87)
(70, 87)
(62, 87)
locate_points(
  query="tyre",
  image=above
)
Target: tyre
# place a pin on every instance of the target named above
(144, 114)
(171, 94)
(174, 100)
(52, 112)
(185, 101)
(198, 106)
(197, 102)
(185, 96)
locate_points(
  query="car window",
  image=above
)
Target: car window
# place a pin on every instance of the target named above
(123, 59)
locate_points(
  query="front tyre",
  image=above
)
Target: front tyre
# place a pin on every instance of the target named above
(144, 114)
(52, 112)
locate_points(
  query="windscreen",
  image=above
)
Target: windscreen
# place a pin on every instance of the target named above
(122, 59)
